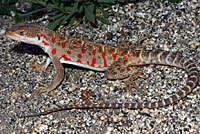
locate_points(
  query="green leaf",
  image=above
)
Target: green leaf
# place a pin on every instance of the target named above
(5, 9)
(105, 5)
(62, 8)
(19, 18)
(88, 14)
(68, 10)
(90, 8)
(54, 24)
(57, 16)
(66, 18)
(80, 9)
(72, 20)
(55, 2)
(103, 20)
(33, 12)
(105, 14)
(79, 19)
(75, 7)
(109, 1)
(175, 1)
(11, 1)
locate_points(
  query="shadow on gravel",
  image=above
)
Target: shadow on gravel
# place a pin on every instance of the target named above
(28, 49)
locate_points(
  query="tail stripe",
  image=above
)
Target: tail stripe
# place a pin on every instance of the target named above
(193, 78)
(190, 65)
(181, 62)
(159, 56)
(176, 97)
(175, 60)
(190, 84)
(168, 101)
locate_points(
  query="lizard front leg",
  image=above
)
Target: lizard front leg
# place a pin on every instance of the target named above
(57, 78)
(43, 66)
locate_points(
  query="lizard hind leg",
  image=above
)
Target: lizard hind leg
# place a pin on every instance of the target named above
(118, 70)
(130, 81)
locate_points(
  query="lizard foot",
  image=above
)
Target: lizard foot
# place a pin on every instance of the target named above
(130, 81)
(38, 68)
(131, 85)
(44, 89)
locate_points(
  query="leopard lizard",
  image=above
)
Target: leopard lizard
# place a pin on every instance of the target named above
(119, 63)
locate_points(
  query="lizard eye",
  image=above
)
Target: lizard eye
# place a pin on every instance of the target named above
(21, 33)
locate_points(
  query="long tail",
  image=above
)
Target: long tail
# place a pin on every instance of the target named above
(147, 57)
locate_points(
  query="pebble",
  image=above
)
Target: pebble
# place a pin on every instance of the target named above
(194, 44)
(43, 127)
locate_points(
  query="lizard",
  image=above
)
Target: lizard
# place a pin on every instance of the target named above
(116, 62)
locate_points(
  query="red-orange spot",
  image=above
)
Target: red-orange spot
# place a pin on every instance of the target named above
(74, 46)
(79, 61)
(46, 44)
(42, 35)
(93, 52)
(88, 62)
(93, 62)
(114, 57)
(82, 46)
(125, 57)
(53, 40)
(69, 52)
(53, 51)
(104, 58)
(99, 66)
(79, 55)
(63, 44)
(83, 50)
(66, 58)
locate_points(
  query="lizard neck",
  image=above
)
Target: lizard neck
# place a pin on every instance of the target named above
(46, 40)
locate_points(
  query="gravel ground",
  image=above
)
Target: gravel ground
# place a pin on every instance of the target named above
(177, 28)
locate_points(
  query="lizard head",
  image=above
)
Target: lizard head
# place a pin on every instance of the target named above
(25, 32)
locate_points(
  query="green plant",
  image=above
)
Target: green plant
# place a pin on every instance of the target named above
(6, 6)
(60, 11)
(81, 10)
